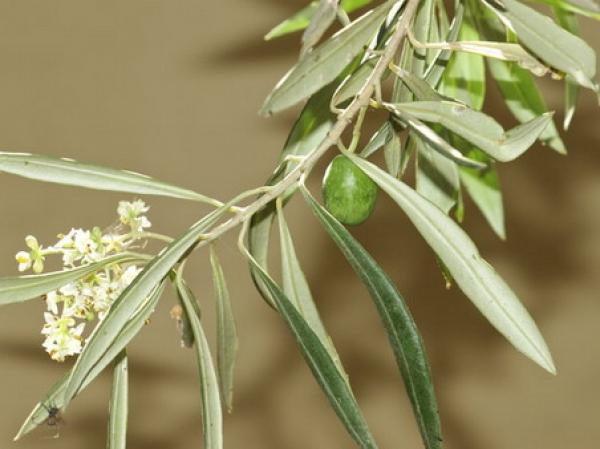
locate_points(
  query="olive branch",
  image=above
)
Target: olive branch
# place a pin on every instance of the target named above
(434, 116)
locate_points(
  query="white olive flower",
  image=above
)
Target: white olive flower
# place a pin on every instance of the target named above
(52, 300)
(24, 260)
(66, 241)
(63, 336)
(34, 258)
(112, 243)
(130, 214)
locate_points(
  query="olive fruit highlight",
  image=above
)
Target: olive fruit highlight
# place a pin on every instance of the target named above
(348, 193)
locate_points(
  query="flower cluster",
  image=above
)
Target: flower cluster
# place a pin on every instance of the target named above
(73, 305)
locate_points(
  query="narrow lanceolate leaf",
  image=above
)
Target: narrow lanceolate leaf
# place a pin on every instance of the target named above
(569, 22)
(552, 44)
(434, 72)
(379, 139)
(131, 298)
(432, 138)
(483, 186)
(586, 8)
(475, 277)
(464, 79)
(302, 18)
(227, 339)
(498, 50)
(353, 83)
(477, 127)
(524, 99)
(297, 290)
(118, 407)
(212, 415)
(73, 173)
(516, 84)
(55, 397)
(321, 20)
(323, 367)
(325, 62)
(21, 288)
(401, 329)
(436, 177)
(422, 31)
(392, 152)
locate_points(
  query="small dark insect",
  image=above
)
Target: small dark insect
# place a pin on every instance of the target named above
(54, 419)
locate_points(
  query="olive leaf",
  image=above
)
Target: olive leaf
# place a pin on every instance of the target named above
(321, 20)
(433, 73)
(464, 78)
(483, 186)
(55, 396)
(432, 138)
(353, 83)
(297, 290)
(325, 62)
(551, 43)
(586, 8)
(517, 85)
(436, 177)
(323, 367)
(404, 337)
(21, 288)
(475, 277)
(118, 406)
(227, 339)
(212, 415)
(569, 22)
(378, 140)
(476, 127)
(524, 99)
(302, 18)
(502, 51)
(73, 173)
(423, 23)
(392, 151)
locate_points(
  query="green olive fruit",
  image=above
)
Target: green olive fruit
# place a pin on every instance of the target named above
(348, 193)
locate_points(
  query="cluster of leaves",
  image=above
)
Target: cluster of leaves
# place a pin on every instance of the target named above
(427, 69)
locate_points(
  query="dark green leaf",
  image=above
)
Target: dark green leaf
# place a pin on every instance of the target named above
(401, 329)
(297, 290)
(323, 367)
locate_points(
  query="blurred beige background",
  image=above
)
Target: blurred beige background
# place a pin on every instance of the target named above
(171, 89)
